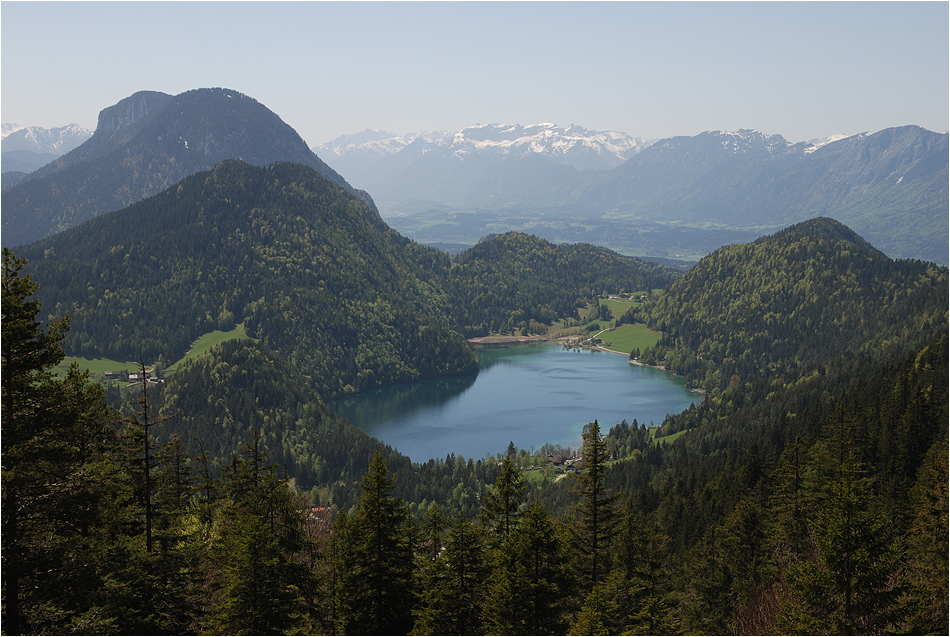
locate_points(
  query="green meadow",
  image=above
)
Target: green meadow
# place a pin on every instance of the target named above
(99, 366)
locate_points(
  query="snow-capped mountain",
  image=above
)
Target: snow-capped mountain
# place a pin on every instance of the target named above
(815, 144)
(573, 146)
(54, 141)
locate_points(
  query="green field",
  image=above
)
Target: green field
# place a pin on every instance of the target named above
(99, 366)
(207, 341)
(619, 306)
(670, 438)
(626, 337)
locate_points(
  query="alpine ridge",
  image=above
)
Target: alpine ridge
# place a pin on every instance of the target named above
(146, 143)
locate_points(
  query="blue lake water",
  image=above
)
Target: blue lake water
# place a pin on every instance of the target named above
(526, 394)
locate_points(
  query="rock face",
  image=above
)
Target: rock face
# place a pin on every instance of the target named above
(144, 144)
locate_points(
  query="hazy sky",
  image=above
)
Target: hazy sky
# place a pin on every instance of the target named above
(800, 69)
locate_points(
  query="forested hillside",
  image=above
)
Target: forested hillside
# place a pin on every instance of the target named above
(309, 269)
(811, 296)
(221, 399)
(513, 278)
(312, 271)
(808, 494)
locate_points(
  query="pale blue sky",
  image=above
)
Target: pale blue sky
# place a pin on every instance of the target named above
(800, 69)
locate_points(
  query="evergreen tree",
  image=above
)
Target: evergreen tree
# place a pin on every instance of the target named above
(849, 587)
(596, 513)
(65, 504)
(503, 502)
(530, 580)
(452, 593)
(927, 554)
(263, 586)
(374, 564)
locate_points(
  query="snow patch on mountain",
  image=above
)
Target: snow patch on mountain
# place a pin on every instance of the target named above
(815, 144)
(573, 146)
(55, 141)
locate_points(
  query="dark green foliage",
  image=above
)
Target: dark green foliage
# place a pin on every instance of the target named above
(260, 588)
(454, 585)
(511, 278)
(531, 578)
(926, 543)
(373, 554)
(64, 499)
(310, 270)
(807, 494)
(503, 502)
(809, 297)
(848, 587)
(596, 511)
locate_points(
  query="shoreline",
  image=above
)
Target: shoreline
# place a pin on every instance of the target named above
(500, 341)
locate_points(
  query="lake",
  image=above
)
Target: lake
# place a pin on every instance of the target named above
(526, 394)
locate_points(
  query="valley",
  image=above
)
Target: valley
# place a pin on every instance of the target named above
(329, 452)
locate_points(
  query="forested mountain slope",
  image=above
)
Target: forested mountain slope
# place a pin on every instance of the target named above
(312, 271)
(219, 400)
(515, 277)
(144, 144)
(807, 495)
(807, 297)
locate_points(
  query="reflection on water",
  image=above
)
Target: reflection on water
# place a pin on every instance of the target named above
(383, 403)
(529, 395)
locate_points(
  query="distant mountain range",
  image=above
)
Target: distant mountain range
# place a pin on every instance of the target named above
(679, 198)
(144, 144)
(612, 189)
(56, 141)
(26, 148)
(572, 146)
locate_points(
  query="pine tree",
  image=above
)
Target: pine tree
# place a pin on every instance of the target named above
(530, 580)
(850, 585)
(503, 502)
(263, 582)
(452, 591)
(927, 545)
(596, 513)
(373, 556)
(65, 503)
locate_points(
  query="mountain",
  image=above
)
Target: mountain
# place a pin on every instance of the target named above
(515, 277)
(144, 144)
(54, 141)
(683, 195)
(306, 265)
(500, 161)
(8, 128)
(25, 161)
(890, 186)
(823, 436)
(310, 269)
(27, 148)
(810, 296)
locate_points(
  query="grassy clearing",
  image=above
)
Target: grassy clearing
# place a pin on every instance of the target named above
(207, 341)
(99, 366)
(626, 337)
(96, 366)
(670, 438)
(618, 307)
